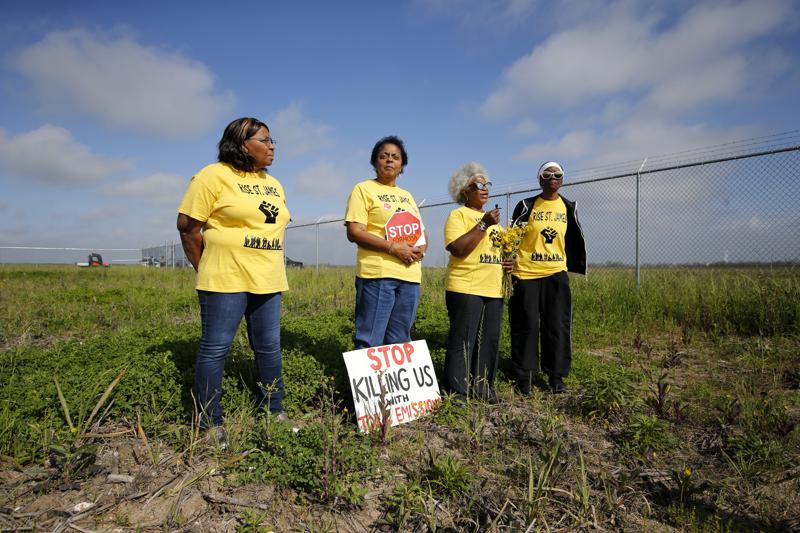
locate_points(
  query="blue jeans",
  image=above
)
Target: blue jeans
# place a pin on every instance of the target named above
(220, 314)
(385, 311)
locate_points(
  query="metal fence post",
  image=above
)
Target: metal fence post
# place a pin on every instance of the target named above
(638, 265)
(317, 242)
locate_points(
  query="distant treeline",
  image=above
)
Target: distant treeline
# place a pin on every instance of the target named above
(719, 264)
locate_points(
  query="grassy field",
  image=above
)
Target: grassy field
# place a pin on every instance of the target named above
(682, 413)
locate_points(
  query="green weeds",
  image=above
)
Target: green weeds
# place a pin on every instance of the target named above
(608, 391)
(699, 362)
(326, 459)
(646, 433)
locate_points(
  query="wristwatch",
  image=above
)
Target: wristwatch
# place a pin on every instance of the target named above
(482, 225)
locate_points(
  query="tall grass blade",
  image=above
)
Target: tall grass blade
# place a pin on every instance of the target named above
(102, 400)
(64, 405)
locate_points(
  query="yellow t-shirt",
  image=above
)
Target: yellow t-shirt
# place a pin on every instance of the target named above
(371, 203)
(542, 252)
(481, 272)
(245, 217)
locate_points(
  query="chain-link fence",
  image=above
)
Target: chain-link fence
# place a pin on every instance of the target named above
(730, 204)
(735, 204)
(169, 254)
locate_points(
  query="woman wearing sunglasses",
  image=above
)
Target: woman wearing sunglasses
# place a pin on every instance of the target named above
(474, 296)
(541, 305)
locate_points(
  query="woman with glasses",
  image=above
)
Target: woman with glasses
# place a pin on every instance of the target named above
(231, 222)
(541, 304)
(388, 269)
(474, 296)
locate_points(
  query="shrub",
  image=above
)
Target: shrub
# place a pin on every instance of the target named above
(646, 433)
(608, 391)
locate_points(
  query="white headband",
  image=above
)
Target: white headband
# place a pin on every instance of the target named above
(548, 165)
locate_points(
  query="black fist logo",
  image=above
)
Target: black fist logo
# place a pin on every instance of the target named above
(270, 212)
(549, 235)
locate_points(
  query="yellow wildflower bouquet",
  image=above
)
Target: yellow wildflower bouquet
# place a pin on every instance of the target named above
(508, 241)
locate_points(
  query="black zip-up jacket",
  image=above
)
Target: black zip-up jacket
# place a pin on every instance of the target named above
(574, 243)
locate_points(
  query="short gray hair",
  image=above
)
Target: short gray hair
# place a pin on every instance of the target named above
(461, 178)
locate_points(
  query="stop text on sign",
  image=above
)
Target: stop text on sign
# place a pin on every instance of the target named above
(404, 226)
(382, 357)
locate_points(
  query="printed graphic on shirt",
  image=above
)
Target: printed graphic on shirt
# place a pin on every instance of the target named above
(547, 216)
(259, 243)
(262, 190)
(270, 212)
(549, 235)
(394, 198)
(538, 256)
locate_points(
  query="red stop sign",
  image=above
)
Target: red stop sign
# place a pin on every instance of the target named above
(404, 226)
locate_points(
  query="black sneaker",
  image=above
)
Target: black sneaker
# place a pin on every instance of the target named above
(523, 387)
(557, 385)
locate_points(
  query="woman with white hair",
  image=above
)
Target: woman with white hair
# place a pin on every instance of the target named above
(474, 294)
(541, 305)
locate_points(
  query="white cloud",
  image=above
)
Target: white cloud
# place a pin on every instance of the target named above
(296, 133)
(50, 154)
(526, 127)
(159, 189)
(630, 142)
(572, 145)
(123, 83)
(320, 181)
(497, 14)
(705, 55)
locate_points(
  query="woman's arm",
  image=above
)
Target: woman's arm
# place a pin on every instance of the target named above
(464, 245)
(357, 233)
(191, 238)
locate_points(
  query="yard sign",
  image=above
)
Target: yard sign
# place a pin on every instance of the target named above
(404, 372)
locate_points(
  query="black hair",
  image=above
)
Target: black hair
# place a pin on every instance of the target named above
(234, 136)
(391, 139)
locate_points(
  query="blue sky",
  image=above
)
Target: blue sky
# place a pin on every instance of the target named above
(108, 108)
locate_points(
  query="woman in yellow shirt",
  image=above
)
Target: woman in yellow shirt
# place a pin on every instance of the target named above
(540, 309)
(474, 296)
(385, 223)
(232, 221)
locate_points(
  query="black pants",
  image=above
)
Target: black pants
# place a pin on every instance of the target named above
(470, 365)
(540, 308)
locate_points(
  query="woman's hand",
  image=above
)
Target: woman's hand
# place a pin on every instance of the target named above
(405, 252)
(508, 265)
(490, 218)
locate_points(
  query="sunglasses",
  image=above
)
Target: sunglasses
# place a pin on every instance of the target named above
(481, 186)
(552, 175)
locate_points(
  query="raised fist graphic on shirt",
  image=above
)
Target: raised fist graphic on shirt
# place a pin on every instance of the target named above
(270, 212)
(549, 234)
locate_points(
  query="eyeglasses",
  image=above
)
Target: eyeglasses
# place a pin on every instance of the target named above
(481, 186)
(552, 175)
(266, 141)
